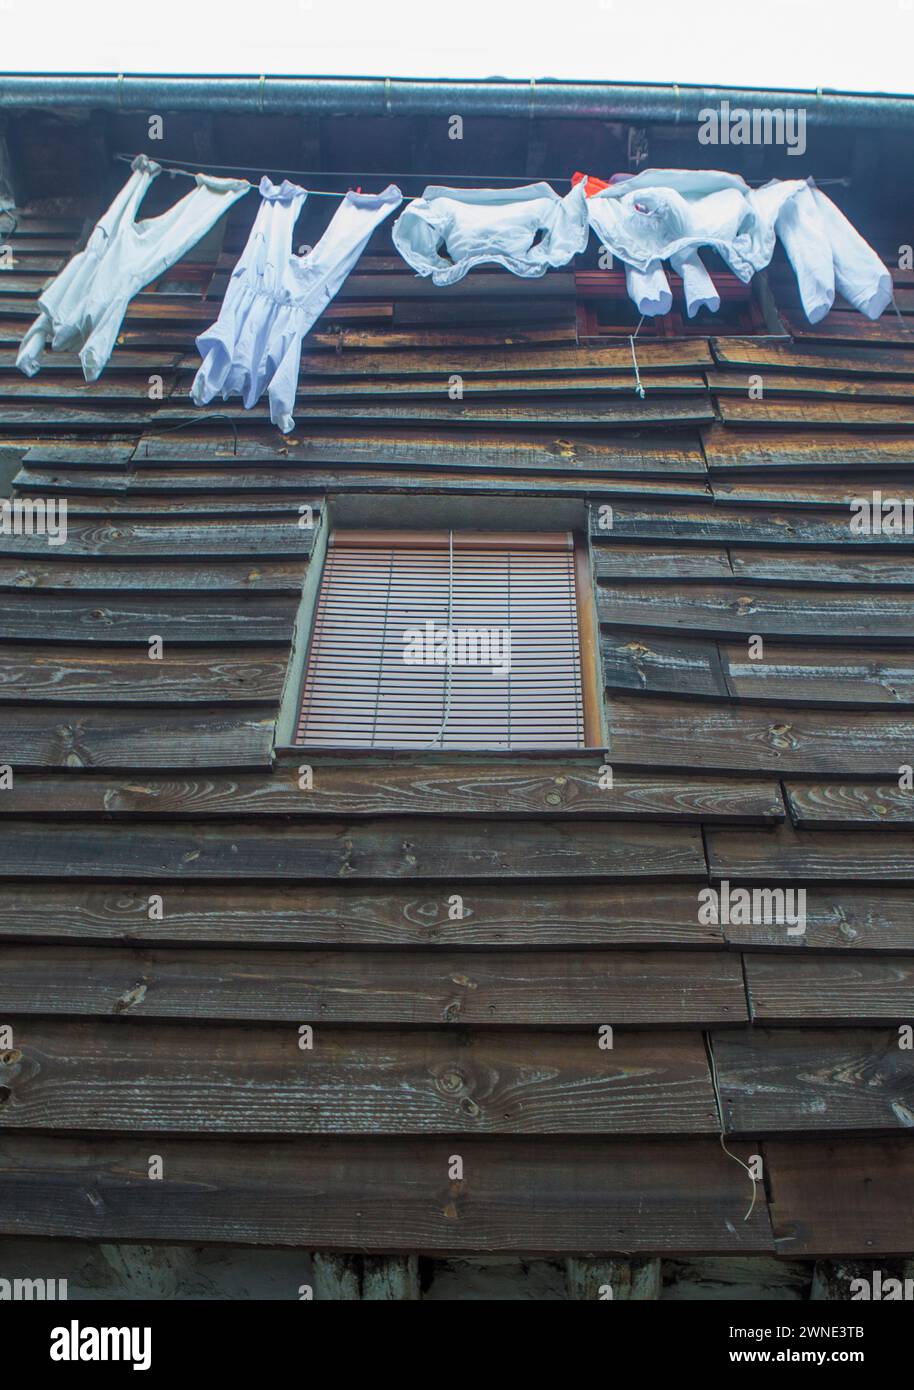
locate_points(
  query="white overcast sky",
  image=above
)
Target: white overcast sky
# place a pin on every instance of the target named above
(867, 46)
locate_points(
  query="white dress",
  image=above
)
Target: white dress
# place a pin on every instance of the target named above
(526, 230)
(85, 306)
(274, 297)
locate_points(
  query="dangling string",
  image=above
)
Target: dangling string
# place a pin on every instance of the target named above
(720, 1116)
(448, 678)
(639, 389)
(901, 323)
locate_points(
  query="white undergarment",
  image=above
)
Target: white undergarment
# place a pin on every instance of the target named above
(526, 230)
(85, 306)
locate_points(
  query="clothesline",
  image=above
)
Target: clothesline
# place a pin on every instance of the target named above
(173, 169)
(275, 294)
(513, 179)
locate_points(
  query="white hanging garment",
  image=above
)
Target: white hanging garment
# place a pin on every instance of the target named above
(802, 234)
(650, 289)
(667, 214)
(697, 285)
(661, 213)
(828, 253)
(274, 297)
(526, 230)
(85, 306)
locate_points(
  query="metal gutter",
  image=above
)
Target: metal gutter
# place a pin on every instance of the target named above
(328, 96)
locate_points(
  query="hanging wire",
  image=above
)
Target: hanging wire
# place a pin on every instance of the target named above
(204, 418)
(720, 1116)
(901, 323)
(174, 167)
(639, 389)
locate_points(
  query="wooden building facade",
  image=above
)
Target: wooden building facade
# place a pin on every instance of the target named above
(180, 904)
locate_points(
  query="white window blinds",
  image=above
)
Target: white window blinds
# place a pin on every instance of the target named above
(445, 640)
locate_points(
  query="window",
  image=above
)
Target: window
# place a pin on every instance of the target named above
(448, 640)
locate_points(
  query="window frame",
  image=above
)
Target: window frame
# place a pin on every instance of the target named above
(592, 692)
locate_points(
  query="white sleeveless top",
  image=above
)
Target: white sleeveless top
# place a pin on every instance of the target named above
(85, 306)
(274, 297)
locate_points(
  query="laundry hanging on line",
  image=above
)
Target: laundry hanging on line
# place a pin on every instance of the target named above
(526, 230)
(274, 296)
(667, 214)
(84, 306)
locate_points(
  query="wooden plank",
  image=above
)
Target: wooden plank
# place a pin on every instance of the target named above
(652, 410)
(727, 610)
(557, 284)
(185, 507)
(203, 495)
(840, 917)
(843, 1197)
(847, 805)
(36, 417)
(120, 387)
(137, 386)
(756, 738)
(792, 988)
(648, 452)
(847, 567)
(486, 308)
(813, 357)
(122, 360)
(630, 561)
(105, 736)
(838, 496)
(541, 989)
(844, 327)
(726, 524)
(823, 676)
(802, 414)
(788, 1079)
(255, 1080)
(728, 451)
(65, 675)
(40, 615)
(660, 665)
(653, 356)
(509, 914)
(388, 849)
(440, 387)
(370, 786)
(546, 1195)
(223, 540)
(252, 576)
(333, 334)
(834, 388)
(78, 453)
(811, 855)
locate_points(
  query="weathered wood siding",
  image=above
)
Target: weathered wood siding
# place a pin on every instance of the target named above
(142, 1027)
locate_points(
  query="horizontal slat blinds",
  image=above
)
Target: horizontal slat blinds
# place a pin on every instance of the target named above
(445, 640)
